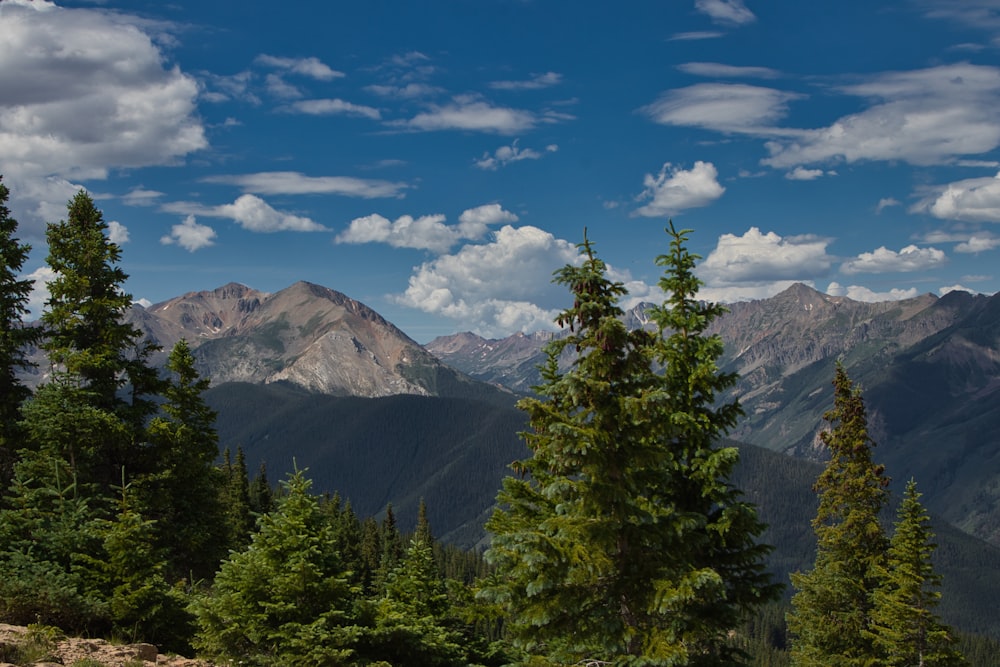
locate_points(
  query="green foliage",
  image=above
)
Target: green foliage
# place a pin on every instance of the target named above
(183, 495)
(15, 337)
(905, 627)
(285, 599)
(831, 618)
(622, 541)
(50, 537)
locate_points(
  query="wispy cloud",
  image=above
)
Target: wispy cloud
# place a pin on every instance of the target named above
(504, 155)
(536, 82)
(309, 67)
(296, 183)
(472, 114)
(725, 107)
(250, 212)
(695, 35)
(332, 107)
(728, 12)
(719, 70)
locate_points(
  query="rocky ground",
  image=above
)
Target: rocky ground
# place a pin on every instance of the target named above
(46, 649)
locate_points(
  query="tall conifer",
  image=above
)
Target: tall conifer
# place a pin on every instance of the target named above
(621, 541)
(831, 619)
(15, 337)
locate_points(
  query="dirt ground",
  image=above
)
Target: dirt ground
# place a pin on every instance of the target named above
(70, 650)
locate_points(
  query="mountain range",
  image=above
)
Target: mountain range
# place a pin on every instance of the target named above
(308, 378)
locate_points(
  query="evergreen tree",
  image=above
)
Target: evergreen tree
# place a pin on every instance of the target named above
(183, 495)
(906, 630)
(261, 496)
(411, 624)
(831, 618)
(285, 600)
(15, 337)
(94, 349)
(622, 542)
(239, 521)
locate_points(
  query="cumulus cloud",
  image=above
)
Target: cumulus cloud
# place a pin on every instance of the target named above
(536, 82)
(756, 258)
(500, 287)
(332, 107)
(296, 183)
(40, 277)
(117, 232)
(313, 68)
(978, 243)
(972, 199)
(731, 12)
(883, 260)
(923, 117)
(85, 91)
(721, 70)
(428, 232)
(674, 189)
(190, 235)
(860, 293)
(504, 155)
(956, 288)
(725, 107)
(250, 212)
(472, 114)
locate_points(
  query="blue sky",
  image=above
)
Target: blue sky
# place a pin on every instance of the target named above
(439, 160)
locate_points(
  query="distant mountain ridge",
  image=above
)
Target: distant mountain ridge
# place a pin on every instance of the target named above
(929, 368)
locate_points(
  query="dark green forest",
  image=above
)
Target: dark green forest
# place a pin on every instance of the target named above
(628, 530)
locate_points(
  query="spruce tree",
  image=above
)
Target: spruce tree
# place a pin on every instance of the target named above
(285, 599)
(95, 352)
(905, 627)
(183, 496)
(621, 541)
(15, 337)
(831, 618)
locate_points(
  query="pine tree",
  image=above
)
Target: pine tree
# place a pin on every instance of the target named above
(905, 627)
(239, 521)
(183, 495)
(15, 337)
(94, 350)
(831, 619)
(621, 542)
(285, 599)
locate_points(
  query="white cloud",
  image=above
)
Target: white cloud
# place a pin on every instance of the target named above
(506, 154)
(748, 292)
(732, 12)
(956, 288)
(755, 259)
(885, 203)
(85, 91)
(117, 232)
(725, 107)
(695, 35)
(972, 199)
(296, 183)
(141, 197)
(470, 114)
(721, 70)
(190, 235)
(332, 107)
(536, 82)
(474, 222)
(310, 67)
(404, 92)
(499, 287)
(278, 87)
(428, 232)
(252, 213)
(674, 189)
(978, 243)
(40, 290)
(860, 293)
(802, 174)
(883, 260)
(923, 117)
